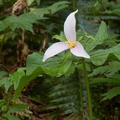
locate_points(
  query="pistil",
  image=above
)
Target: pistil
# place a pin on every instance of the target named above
(71, 43)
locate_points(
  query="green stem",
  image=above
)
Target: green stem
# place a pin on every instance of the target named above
(23, 36)
(88, 90)
(81, 95)
(67, 55)
(74, 5)
(2, 42)
(9, 96)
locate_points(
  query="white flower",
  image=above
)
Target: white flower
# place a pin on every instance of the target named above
(75, 47)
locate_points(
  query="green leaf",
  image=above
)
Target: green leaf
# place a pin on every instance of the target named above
(111, 93)
(70, 71)
(26, 79)
(110, 69)
(52, 66)
(40, 11)
(100, 37)
(16, 22)
(3, 26)
(26, 20)
(57, 70)
(29, 2)
(113, 68)
(104, 80)
(10, 117)
(59, 37)
(58, 6)
(99, 57)
(65, 95)
(116, 76)
(33, 61)
(17, 108)
(101, 34)
(114, 12)
(23, 21)
(6, 82)
(15, 78)
(2, 74)
(51, 9)
(99, 70)
(38, 2)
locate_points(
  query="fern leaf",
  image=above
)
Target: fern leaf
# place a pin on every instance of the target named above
(58, 6)
(111, 93)
(110, 69)
(26, 20)
(13, 79)
(105, 80)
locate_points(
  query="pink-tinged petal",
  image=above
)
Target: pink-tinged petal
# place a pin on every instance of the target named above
(54, 49)
(79, 51)
(70, 27)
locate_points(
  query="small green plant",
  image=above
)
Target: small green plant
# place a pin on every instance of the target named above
(71, 86)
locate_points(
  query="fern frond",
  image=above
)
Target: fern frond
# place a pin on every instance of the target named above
(111, 93)
(26, 20)
(105, 80)
(65, 96)
(110, 69)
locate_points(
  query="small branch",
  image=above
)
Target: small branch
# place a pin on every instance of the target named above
(9, 96)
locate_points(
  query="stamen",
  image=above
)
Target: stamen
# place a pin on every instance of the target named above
(71, 44)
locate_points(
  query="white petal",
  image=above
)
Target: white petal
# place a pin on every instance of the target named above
(79, 51)
(70, 27)
(54, 49)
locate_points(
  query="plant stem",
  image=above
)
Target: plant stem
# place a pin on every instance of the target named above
(4, 67)
(23, 36)
(67, 55)
(74, 5)
(81, 94)
(9, 96)
(2, 42)
(88, 90)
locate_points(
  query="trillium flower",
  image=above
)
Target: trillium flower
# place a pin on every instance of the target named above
(75, 47)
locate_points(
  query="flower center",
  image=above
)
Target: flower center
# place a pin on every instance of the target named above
(71, 44)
